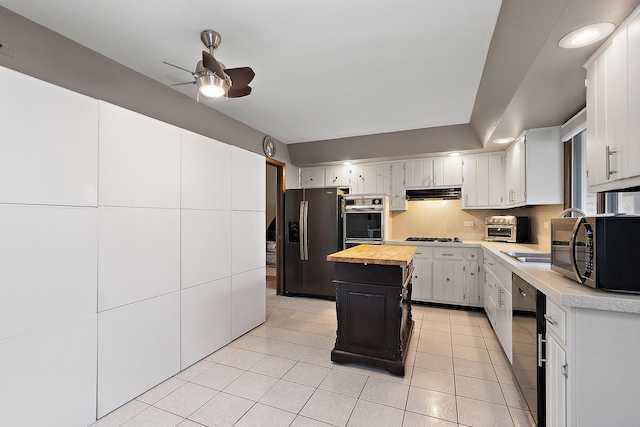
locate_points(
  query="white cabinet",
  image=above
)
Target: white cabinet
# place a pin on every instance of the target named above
(206, 237)
(248, 241)
(556, 383)
(472, 293)
(49, 266)
(447, 171)
(248, 295)
(419, 173)
(205, 320)
(483, 181)
(138, 348)
(613, 105)
(139, 160)
(53, 368)
(497, 301)
(534, 169)
(205, 171)
(248, 181)
(422, 275)
(370, 178)
(504, 318)
(138, 254)
(49, 144)
(398, 196)
(448, 275)
(337, 176)
(311, 177)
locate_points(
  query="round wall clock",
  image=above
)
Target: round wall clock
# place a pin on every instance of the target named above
(269, 146)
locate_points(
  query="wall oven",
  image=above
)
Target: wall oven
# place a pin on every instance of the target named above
(365, 219)
(598, 251)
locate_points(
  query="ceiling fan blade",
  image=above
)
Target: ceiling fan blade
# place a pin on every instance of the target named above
(186, 83)
(210, 63)
(238, 93)
(240, 77)
(179, 68)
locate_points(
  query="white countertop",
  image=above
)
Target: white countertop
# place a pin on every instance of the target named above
(555, 286)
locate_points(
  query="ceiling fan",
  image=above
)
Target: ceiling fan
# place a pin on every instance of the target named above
(212, 78)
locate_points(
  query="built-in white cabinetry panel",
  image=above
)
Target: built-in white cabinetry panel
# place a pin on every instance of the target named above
(556, 384)
(370, 178)
(206, 171)
(398, 194)
(534, 168)
(49, 266)
(448, 281)
(49, 144)
(483, 181)
(205, 320)
(138, 256)
(49, 376)
(248, 242)
(248, 181)
(205, 242)
(312, 177)
(138, 347)
(447, 171)
(337, 176)
(418, 173)
(613, 105)
(248, 294)
(139, 160)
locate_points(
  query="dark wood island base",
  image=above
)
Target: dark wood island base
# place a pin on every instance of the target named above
(373, 304)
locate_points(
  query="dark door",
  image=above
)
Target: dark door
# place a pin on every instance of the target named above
(293, 278)
(323, 238)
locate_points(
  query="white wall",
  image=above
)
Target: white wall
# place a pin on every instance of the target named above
(125, 249)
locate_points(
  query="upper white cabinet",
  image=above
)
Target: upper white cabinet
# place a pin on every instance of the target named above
(311, 177)
(483, 181)
(534, 169)
(418, 173)
(398, 194)
(248, 181)
(205, 171)
(49, 266)
(138, 255)
(49, 144)
(139, 160)
(370, 178)
(337, 176)
(447, 171)
(613, 106)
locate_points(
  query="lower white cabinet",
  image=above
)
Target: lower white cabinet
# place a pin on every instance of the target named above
(448, 281)
(248, 296)
(138, 348)
(556, 383)
(48, 377)
(422, 286)
(504, 319)
(472, 294)
(205, 320)
(497, 301)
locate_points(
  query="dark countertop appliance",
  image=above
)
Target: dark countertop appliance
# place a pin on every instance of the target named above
(507, 228)
(313, 219)
(598, 251)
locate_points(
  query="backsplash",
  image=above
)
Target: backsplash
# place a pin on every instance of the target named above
(444, 218)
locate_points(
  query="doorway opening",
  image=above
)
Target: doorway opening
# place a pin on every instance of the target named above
(275, 182)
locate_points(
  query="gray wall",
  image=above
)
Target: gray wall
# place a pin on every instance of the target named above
(46, 55)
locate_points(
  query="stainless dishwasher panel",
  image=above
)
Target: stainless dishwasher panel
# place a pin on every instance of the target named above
(528, 305)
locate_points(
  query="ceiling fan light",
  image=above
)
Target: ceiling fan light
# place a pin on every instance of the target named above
(211, 86)
(586, 35)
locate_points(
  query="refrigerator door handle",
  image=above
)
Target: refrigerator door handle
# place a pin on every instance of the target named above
(301, 230)
(306, 229)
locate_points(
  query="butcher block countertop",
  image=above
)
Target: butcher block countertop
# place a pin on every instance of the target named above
(375, 254)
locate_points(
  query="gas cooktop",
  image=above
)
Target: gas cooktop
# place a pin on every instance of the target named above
(433, 239)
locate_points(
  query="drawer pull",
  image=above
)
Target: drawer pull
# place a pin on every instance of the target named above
(540, 342)
(550, 319)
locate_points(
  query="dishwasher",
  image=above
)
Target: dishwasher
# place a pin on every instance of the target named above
(528, 338)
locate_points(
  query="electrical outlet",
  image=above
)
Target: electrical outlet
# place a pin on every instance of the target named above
(546, 224)
(6, 49)
(468, 223)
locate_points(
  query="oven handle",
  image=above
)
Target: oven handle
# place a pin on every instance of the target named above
(363, 209)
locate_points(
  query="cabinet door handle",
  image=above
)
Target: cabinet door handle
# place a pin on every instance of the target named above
(550, 319)
(609, 153)
(540, 359)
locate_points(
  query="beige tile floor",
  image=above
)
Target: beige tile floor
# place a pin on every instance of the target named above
(280, 374)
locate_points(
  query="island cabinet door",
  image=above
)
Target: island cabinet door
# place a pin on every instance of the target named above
(369, 320)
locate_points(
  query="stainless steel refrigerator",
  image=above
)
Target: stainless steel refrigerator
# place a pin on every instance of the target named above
(313, 219)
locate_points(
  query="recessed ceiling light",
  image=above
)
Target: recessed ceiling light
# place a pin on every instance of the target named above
(347, 163)
(586, 35)
(503, 140)
(455, 153)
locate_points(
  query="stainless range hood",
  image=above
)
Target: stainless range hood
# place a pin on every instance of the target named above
(453, 193)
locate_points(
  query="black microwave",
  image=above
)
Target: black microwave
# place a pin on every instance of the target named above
(599, 251)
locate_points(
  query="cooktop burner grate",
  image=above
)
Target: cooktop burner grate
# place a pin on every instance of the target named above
(434, 239)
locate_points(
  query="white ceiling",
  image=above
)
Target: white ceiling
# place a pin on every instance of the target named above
(324, 69)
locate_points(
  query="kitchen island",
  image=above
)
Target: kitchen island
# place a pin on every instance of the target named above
(373, 305)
